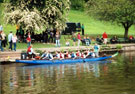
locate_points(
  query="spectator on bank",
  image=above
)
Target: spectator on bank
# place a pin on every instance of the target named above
(67, 43)
(51, 37)
(21, 33)
(99, 40)
(45, 36)
(14, 40)
(114, 40)
(105, 36)
(57, 38)
(131, 38)
(88, 41)
(28, 40)
(96, 49)
(1, 28)
(1, 42)
(74, 39)
(84, 40)
(4, 39)
(82, 29)
(17, 30)
(10, 40)
(79, 39)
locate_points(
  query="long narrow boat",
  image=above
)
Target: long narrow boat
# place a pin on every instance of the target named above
(64, 61)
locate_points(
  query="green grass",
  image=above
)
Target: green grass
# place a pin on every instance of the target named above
(96, 27)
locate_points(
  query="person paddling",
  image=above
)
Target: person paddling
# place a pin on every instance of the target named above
(73, 55)
(57, 55)
(67, 55)
(83, 55)
(49, 56)
(61, 55)
(43, 56)
(78, 54)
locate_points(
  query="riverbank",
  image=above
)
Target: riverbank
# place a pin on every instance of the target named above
(12, 55)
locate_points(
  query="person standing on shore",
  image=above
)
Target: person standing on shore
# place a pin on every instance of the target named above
(105, 36)
(29, 39)
(1, 42)
(4, 40)
(57, 39)
(10, 40)
(96, 49)
(82, 29)
(14, 40)
(1, 28)
(79, 39)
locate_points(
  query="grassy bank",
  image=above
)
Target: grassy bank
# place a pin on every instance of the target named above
(95, 27)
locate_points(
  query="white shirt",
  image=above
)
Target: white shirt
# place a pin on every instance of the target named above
(10, 37)
(14, 39)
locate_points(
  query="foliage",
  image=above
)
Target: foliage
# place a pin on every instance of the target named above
(77, 4)
(55, 13)
(119, 46)
(23, 51)
(39, 51)
(36, 14)
(120, 11)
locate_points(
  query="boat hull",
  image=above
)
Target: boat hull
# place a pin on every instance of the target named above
(62, 61)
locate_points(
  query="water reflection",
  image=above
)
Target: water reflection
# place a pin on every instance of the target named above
(27, 77)
(81, 78)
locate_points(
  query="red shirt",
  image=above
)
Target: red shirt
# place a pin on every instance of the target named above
(104, 35)
(131, 37)
(79, 36)
(28, 39)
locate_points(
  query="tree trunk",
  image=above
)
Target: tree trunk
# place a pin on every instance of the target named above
(126, 32)
(126, 26)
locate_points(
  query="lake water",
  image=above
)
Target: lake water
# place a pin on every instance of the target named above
(115, 76)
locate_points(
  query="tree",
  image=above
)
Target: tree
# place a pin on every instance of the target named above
(37, 14)
(120, 11)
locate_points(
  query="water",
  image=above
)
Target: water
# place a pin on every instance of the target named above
(116, 76)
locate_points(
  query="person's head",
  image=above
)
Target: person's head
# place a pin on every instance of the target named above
(31, 45)
(14, 35)
(78, 51)
(44, 51)
(87, 37)
(10, 31)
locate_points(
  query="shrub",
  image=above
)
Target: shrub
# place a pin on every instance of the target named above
(119, 46)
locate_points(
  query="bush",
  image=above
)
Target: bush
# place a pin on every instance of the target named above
(119, 46)
(77, 4)
(23, 51)
(39, 51)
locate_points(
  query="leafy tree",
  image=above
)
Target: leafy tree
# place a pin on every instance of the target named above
(120, 11)
(37, 14)
(77, 4)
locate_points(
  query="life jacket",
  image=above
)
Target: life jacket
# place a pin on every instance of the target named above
(60, 55)
(82, 56)
(72, 55)
(29, 49)
(96, 47)
(77, 54)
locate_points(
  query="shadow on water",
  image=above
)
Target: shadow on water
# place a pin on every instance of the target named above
(105, 77)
